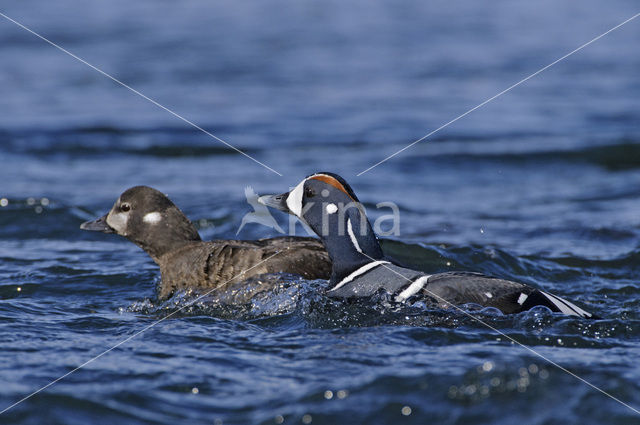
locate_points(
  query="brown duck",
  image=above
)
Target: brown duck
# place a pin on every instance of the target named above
(149, 219)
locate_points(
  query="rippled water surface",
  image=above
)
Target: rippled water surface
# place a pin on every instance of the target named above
(539, 186)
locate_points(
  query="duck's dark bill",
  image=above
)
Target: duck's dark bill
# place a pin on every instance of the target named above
(276, 201)
(98, 225)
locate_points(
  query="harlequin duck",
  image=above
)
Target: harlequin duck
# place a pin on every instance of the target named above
(149, 219)
(330, 207)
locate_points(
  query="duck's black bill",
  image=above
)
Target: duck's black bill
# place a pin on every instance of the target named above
(98, 225)
(278, 202)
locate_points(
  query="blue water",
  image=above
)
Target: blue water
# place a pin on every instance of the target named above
(541, 186)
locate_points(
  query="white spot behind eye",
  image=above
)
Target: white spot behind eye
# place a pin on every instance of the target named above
(331, 208)
(152, 217)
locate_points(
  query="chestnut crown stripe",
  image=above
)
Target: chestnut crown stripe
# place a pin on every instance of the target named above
(333, 182)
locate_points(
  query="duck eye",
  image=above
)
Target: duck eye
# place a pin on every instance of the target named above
(125, 207)
(309, 193)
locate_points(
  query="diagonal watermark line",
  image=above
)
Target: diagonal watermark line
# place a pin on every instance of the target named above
(499, 94)
(515, 341)
(175, 114)
(146, 328)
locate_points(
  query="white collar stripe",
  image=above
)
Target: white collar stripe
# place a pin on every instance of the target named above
(358, 272)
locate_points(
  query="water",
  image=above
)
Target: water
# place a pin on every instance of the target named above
(540, 186)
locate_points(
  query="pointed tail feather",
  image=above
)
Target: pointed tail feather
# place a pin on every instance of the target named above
(553, 302)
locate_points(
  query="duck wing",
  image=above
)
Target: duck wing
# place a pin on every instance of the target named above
(224, 263)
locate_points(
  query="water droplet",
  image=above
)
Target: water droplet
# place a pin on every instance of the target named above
(195, 390)
(328, 394)
(44, 202)
(4, 202)
(342, 394)
(307, 419)
(38, 209)
(279, 419)
(19, 289)
(31, 201)
(406, 410)
(487, 366)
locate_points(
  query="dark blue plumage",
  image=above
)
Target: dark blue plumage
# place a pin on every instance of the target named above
(330, 207)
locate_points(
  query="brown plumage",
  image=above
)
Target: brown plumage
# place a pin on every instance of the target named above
(149, 219)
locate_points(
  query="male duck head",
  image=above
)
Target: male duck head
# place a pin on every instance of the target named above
(329, 206)
(147, 218)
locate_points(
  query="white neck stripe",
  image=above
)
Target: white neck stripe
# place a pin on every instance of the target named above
(352, 236)
(358, 272)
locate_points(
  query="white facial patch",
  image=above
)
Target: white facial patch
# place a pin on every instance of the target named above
(118, 221)
(331, 208)
(294, 200)
(152, 217)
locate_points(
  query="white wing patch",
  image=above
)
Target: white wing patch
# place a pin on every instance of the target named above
(152, 217)
(413, 289)
(352, 235)
(565, 306)
(522, 298)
